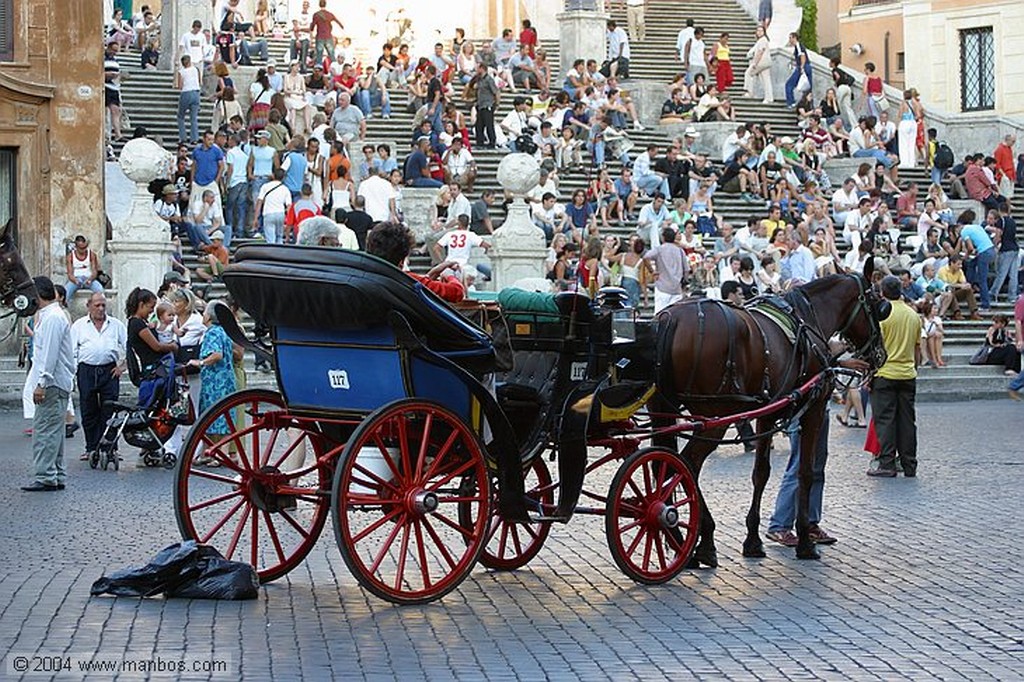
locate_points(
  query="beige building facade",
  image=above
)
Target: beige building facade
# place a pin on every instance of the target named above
(963, 56)
(51, 126)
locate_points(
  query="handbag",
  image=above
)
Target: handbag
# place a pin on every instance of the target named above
(981, 356)
(804, 83)
(104, 279)
(1006, 187)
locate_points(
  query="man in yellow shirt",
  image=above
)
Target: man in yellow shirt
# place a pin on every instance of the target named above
(895, 387)
(953, 275)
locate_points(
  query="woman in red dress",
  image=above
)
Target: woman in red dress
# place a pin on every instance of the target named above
(528, 37)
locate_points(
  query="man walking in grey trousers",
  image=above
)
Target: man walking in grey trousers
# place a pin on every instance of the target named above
(54, 357)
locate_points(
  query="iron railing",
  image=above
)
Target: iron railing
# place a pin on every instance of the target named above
(977, 69)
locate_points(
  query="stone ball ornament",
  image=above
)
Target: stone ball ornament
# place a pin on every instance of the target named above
(143, 160)
(518, 173)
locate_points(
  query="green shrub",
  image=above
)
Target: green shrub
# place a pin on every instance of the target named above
(809, 25)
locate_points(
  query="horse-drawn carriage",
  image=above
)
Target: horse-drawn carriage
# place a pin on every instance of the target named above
(407, 424)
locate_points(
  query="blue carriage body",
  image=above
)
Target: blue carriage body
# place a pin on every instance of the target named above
(336, 317)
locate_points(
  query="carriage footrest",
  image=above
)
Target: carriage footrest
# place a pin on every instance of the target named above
(549, 519)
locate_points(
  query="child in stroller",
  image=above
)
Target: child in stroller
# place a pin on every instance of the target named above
(163, 405)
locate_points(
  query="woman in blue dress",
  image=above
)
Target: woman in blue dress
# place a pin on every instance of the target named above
(216, 373)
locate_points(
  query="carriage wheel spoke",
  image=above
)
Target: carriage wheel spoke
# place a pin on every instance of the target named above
(386, 455)
(437, 541)
(271, 442)
(422, 551)
(673, 542)
(386, 545)
(440, 456)
(530, 530)
(515, 538)
(356, 466)
(421, 458)
(254, 550)
(376, 524)
(661, 550)
(403, 447)
(224, 520)
(238, 532)
(664, 495)
(272, 531)
(400, 571)
(239, 441)
(647, 479)
(215, 500)
(213, 449)
(636, 541)
(435, 486)
(294, 524)
(454, 526)
(289, 450)
(200, 473)
(630, 526)
(503, 540)
(636, 489)
(647, 551)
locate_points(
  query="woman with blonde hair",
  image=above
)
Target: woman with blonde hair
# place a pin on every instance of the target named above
(295, 99)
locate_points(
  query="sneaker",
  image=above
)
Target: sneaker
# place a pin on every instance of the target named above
(69, 429)
(784, 537)
(638, 126)
(882, 473)
(820, 537)
(1016, 395)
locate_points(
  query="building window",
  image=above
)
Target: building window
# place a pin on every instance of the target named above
(977, 70)
(8, 174)
(6, 30)
(901, 61)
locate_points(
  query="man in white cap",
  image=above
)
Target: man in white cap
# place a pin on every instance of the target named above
(276, 79)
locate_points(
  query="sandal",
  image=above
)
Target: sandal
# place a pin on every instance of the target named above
(839, 418)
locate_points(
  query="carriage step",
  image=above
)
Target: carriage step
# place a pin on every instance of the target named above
(549, 519)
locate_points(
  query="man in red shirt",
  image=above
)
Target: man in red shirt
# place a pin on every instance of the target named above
(393, 241)
(304, 208)
(906, 207)
(1017, 385)
(1005, 159)
(979, 187)
(321, 30)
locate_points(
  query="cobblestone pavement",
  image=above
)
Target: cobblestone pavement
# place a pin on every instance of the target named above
(925, 583)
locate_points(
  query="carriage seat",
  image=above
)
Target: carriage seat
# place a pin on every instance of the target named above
(337, 289)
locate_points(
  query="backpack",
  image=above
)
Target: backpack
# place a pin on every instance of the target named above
(943, 156)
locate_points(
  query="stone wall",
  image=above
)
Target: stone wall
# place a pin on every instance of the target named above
(964, 133)
(52, 115)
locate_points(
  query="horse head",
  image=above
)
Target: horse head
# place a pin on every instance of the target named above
(862, 330)
(16, 288)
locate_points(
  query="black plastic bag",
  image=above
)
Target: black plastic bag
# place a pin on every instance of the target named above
(186, 570)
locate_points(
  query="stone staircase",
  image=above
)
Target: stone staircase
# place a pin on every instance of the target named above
(152, 102)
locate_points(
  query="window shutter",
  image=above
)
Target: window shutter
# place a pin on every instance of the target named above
(6, 30)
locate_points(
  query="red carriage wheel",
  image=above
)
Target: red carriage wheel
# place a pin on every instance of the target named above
(411, 501)
(653, 516)
(258, 493)
(510, 546)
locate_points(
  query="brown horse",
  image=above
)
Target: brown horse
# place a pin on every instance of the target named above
(717, 359)
(16, 288)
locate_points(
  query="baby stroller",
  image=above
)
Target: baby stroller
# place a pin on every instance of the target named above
(163, 405)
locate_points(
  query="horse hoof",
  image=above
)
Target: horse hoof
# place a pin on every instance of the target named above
(708, 557)
(754, 551)
(807, 553)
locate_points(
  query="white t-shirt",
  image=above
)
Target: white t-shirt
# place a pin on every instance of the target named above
(215, 212)
(731, 146)
(841, 200)
(459, 163)
(616, 39)
(460, 245)
(681, 39)
(276, 198)
(190, 78)
(377, 193)
(697, 48)
(194, 45)
(857, 141)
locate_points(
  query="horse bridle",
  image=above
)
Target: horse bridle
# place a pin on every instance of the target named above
(864, 351)
(17, 299)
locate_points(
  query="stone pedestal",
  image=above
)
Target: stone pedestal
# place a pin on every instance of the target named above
(710, 137)
(176, 19)
(648, 98)
(581, 35)
(140, 251)
(416, 203)
(518, 246)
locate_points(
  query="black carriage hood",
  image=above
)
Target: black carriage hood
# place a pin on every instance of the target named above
(329, 288)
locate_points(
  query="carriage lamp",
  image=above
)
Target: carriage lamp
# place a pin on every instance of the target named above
(21, 303)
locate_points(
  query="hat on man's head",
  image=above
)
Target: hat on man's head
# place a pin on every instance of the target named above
(173, 276)
(271, 62)
(170, 189)
(691, 132)
(263, 133)
(786, 140)
(217, 234)
(81, 238)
